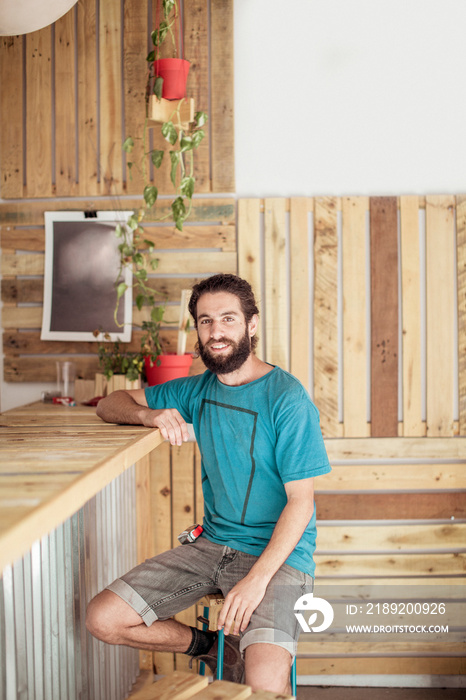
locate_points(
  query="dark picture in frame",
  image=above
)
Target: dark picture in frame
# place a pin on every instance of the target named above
(81, 269)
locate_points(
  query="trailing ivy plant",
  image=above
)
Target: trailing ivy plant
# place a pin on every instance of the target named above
(183, 142)
(136, 252)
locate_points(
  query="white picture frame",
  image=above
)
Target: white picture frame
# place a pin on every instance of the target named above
(81, 268)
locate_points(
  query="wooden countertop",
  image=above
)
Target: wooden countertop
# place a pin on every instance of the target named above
(53, 459)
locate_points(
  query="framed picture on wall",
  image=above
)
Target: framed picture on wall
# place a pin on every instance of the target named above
(81, 269)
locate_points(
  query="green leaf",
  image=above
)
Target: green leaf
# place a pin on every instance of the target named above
(154, 264)
(187, 187)
(140, 301)
(169, 133)
(179, 212)
(121, 289)
(156, 313)
(186, 143)
(149, 244)
(158, 85)
(125, 250)
(175, 159)
(119, 231)
(133, 222)
(156, 158)
(138, 259)
(140, 274)
(158, 35)
(197, 137)
(150, 195)
(168, 6)
(150, 57)
(200, 118)
(128, 144)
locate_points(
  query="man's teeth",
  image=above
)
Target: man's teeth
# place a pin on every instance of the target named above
(219, 346)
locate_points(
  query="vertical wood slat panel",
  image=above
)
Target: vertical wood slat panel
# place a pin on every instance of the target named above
(196, 49)
(39, 112)
(384, 316)
(110, 75)
(11, 116)
(161, 488)
(299, 290)
(183, 515)
(222, 98)
(88, 153)
(161, 176)
(65, 106)
(135, 78)
(326, 314)
(276, 295)
(249, 254)
(413, 425)
(440, 302)
(355, 358)
(461, 264)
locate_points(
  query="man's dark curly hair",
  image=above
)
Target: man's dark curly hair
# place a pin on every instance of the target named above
(226, 283)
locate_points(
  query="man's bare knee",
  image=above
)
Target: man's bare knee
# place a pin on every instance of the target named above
(268, 667)
(107, 616)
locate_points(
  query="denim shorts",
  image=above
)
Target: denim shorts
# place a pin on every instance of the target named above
(177, 579)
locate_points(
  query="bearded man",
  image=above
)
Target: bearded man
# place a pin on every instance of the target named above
(261, 446)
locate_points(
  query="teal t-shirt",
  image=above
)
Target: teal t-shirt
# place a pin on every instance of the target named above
(253, 439)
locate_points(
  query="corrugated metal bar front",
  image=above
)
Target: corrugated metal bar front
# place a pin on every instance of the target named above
(45, 651)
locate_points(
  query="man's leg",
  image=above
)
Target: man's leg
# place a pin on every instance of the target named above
(112, 620)
(268, 667)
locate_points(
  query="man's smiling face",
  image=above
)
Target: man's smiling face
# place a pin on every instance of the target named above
(224, 336)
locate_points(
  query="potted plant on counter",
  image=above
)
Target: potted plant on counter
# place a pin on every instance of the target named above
(121, 368)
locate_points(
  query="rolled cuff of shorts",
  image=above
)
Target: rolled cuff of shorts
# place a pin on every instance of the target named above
(266, 635)
(130, 596)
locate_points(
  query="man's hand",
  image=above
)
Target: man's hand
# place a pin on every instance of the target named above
(170, 423)
(130, 407)
(240, 603)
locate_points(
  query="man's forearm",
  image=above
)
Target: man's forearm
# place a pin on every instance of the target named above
(286, 535)
(120, 407)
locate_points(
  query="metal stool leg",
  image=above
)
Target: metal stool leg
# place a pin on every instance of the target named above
(293, 677)
(221, 648)
(204, 627)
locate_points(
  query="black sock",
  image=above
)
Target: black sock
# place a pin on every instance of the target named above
(201, 642)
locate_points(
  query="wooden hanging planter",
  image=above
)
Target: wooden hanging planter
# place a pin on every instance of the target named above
(161, 111)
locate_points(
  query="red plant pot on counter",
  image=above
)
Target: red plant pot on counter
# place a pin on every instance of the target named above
(170, 367)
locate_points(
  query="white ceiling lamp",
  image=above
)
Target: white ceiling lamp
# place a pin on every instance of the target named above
(24, 16)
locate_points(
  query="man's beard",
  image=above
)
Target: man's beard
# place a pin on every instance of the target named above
(230, 363)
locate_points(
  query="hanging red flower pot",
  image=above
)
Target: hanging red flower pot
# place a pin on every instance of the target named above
(174, 72)
(171, 366)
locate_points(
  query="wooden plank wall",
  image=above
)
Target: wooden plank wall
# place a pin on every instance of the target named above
(360, 299)
(83, 80)
(206, 245)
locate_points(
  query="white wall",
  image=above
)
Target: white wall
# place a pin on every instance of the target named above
(350, 96)
(344, 97)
